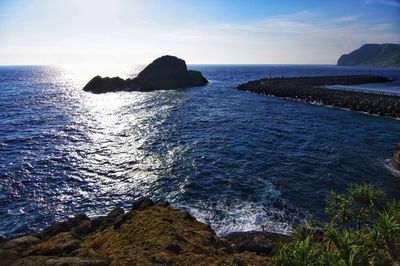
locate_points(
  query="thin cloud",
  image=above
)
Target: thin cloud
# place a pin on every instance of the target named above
(393, 3)
(346, 19)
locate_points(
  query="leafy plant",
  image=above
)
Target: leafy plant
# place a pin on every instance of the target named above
(362, 230)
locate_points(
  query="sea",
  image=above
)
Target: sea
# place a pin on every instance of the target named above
(234, 159)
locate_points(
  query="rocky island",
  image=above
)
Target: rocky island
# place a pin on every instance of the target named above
(164, 73)
(377, 55)
(148, 234)
(313, 90)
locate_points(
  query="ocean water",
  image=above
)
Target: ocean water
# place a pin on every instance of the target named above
(234, 159)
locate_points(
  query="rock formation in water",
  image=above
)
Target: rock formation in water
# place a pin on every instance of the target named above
(378, 55)
(312, 90)
(166, 73)
(396, 158)
(149, 234)
(169, 72)
(102, 85)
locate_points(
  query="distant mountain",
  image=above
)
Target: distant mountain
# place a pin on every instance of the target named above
(380, 55)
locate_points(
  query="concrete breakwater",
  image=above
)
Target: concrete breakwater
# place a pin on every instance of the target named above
(311, 90)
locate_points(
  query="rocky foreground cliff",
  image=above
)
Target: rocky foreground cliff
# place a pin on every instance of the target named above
(149, 234)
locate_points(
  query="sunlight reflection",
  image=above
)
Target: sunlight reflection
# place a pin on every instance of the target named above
(121, 153)
(82, 73)
(113, 146)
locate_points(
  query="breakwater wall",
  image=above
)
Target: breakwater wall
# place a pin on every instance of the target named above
(311, 90)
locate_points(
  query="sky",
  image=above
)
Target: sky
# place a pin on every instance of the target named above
(37, 32)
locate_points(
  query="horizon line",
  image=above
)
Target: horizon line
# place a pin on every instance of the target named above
(198, 64)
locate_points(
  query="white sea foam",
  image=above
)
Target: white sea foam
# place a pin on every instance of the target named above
(389, 166)
(243, 216)
(226, 216)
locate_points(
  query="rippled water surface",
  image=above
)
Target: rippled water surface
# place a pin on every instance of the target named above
(234, 159)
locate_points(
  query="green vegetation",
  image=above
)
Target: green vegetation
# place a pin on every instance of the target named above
(364, 229)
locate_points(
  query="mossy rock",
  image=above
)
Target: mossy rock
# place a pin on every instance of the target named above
(59, 245)
(153, 235)
(163, 235)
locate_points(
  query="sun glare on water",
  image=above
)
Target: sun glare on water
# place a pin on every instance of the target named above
(82, 73)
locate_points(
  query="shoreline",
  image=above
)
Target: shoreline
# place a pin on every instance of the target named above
(311, 91)
(150, 233)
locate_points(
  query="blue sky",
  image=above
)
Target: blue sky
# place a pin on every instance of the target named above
(217, 32)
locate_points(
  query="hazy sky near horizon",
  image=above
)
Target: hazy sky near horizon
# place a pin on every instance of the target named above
(206, 31)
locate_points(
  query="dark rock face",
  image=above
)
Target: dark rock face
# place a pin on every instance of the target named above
(102, 85)
(311, 90)
(166, 73)
(115, 213)
(256, 241)
(142, 204)
(65, 226)
(163, 204)
(196, 78)
(396, 158)
(380, 55)
(21, 242)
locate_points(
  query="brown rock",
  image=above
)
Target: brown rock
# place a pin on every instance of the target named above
(7, 257)
(21, 243)
(255, 241)
(100, 223)
(120, 220)
(396, 158)
(63, 226)
(75, 261)
(54, 261)
(59, 245)
(163, 204)
(115, 213)
(84, 228)
(142, 204)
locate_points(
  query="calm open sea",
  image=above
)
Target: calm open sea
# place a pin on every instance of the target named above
(234, 159)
